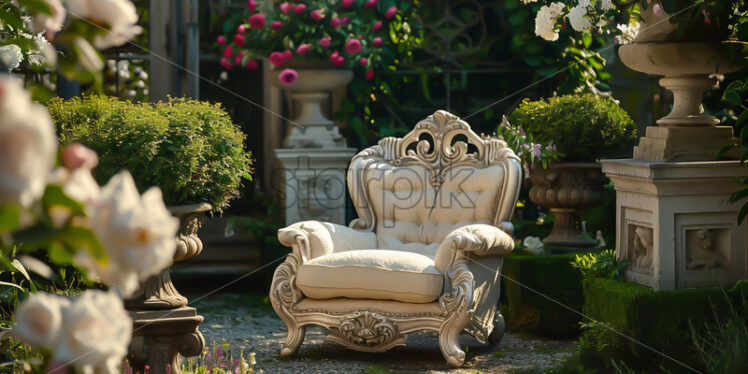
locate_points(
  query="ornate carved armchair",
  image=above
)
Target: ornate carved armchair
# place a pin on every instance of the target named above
(425, 253)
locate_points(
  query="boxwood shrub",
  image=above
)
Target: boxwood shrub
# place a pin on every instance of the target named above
(661, 320)
(528, 311)
(189, 148)
(583, 127)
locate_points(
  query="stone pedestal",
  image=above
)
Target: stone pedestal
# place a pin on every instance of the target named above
(164, 326)
(675, 224)
(159, 336)
(314, 183)
(679, 144)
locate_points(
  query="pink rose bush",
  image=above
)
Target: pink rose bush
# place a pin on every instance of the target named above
(347, 33)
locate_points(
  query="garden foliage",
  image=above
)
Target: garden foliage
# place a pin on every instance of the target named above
(600, 265)
(190, 149)
(583, 127)
(529, 311)
(661, 320)
(735, 113)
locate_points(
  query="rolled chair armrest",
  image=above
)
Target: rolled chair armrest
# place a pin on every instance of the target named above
(479, 239)
(310, 239)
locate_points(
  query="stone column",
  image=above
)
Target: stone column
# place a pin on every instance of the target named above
(674, 219)
(315, 155)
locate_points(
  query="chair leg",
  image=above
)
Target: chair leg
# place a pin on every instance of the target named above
(449, 343)
(293, 341)
(499, 327)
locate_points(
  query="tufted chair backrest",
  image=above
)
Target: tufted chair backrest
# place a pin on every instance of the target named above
(415, 190)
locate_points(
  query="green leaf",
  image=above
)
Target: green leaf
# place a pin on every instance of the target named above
(8, 284)
(55, 196)
(742, 118)
(22, 269)
(36, 6)
(739, 195)
(725, 148)
(82, 238)
(10, 19)
(9, 216)
(742, 213)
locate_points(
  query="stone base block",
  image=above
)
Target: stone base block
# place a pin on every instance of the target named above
(313, 183)
(680, 144)
(160, 336)
(675, 223)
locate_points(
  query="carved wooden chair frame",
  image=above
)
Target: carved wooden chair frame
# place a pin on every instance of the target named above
(472, 291)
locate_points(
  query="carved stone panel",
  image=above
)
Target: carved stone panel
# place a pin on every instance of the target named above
(707, 248)
(710, 250)
(641, 251)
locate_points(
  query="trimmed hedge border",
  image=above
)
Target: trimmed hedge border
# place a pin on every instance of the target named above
(659, 319)
(551, 275)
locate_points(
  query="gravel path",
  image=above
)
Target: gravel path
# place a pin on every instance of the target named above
(249, 322)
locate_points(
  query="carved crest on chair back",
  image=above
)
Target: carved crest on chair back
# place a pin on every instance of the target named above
(439, 143)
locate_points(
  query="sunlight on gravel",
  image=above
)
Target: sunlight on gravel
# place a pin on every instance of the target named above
(249, 323)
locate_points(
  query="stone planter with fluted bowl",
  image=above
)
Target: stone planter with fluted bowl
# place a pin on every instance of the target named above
(567, 188)
(164, 327)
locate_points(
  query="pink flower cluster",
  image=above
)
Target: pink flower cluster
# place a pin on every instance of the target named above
(356, 48)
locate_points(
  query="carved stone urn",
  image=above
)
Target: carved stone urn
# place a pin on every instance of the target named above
(690, 62)
(566, 188)
(164, 326)
(158, 292)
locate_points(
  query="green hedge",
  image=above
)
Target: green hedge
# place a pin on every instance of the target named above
(659, 319)
(189, 148)
(551, 275)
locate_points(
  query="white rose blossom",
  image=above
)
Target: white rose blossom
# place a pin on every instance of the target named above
(41, 22)
(137, 232)
(119, 15)
(10, 56)
(533, 244)
(578, 19)
(28, 145)
(545, 21)
(628, 33)
(88, 58)
(39, 319)
(95, 333)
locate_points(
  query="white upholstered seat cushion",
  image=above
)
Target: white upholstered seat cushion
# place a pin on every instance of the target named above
(371, 274)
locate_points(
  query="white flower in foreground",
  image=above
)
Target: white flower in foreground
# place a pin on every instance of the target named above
(10, 56)
(119, 15)
(578, 19)
(88, 58)
(75, 177)
(628, 33)
(28, 145)
(545, 21)
(39, 319)
(533, 244)
(51, 23)
(138, 233)
(95, 334)
(79, 184)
